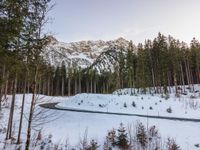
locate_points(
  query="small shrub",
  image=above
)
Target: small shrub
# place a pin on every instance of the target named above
(192, 97)
(152, 133)
(184, 93)
(169, 110)
(142, 107)
(119, 94)
(110, 138)
(125, 105)
(133, 104)
(151, 108)
(185, 112)
(171, 145)
(167, 96)
(156, 103)
(197, 145)
(39, 136)
(92, 146)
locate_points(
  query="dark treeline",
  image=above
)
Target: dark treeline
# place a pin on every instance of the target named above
(162, 62)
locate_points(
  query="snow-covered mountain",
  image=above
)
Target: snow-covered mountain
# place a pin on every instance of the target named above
(84, 53)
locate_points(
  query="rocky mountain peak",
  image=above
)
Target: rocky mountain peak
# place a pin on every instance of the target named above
(82, 53)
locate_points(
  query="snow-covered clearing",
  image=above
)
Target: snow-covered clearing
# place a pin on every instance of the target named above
(145, 105)
(71, 126)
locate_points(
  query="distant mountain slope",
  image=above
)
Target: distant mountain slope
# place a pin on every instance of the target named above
(84, 53)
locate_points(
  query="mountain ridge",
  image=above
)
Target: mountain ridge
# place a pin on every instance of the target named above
(80, 54)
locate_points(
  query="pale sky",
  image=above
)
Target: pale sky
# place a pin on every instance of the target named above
(136, 20)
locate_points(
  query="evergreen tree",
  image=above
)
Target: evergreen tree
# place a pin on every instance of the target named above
(141, 135)
(122, 139)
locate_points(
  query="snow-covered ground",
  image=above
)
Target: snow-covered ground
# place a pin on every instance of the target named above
(144, 104)
(71, 126)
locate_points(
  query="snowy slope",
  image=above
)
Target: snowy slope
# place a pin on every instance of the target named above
(71, 126)
(144, 104)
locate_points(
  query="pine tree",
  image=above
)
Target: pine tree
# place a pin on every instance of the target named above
(141, 135)
(143, 74)
(130, 65)
(195, 58)
(122, 139)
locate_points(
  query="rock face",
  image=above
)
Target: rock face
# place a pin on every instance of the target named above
(82, 54)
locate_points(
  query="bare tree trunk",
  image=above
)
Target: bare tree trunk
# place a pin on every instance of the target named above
(1, 95)
(169, 83)
(31, 110)
(153, 79)
(22, 113)
(39, 86)
(175, 82)
(95, 86)
(182, 77)
(6, 85)
(75, 85)
(57, 87)
(28, 82)
(91, 87)
(52, 89)
(192, 81)
(10, 121)
(197, 74)
(79, 83)
(1, 87)
(187, 74)
(48, 87)
(63, 83)
(87, 86)
(107, 88)
(69, 86)
(44, 85)
(18, 87)
(190, 77)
